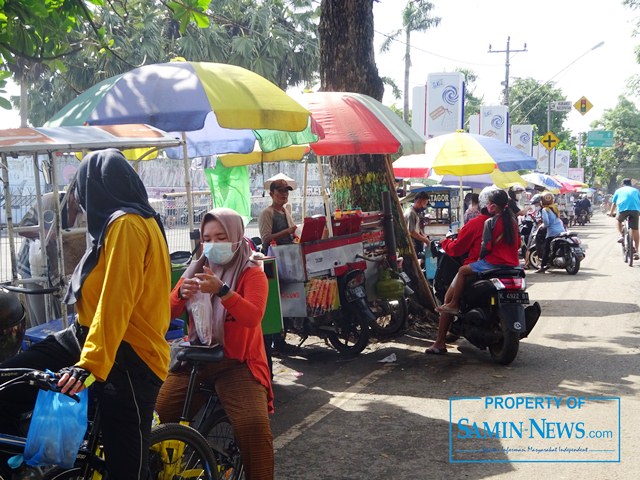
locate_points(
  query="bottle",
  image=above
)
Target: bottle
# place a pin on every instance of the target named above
(338, 214)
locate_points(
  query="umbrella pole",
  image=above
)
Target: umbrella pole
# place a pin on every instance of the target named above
(460, 208)
(325, 198)
(304, 189)
(187, 182)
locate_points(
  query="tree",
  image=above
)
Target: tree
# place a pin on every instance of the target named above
(529, 99)
(347, 64)
(273, 38)
(623, 159)
(415, 18)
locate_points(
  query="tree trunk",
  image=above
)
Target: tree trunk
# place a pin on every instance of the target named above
(347, 64)
(407, 68)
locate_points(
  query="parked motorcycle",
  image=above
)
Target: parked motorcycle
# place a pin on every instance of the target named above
(566, 252)
(346, 328)
(495, 313)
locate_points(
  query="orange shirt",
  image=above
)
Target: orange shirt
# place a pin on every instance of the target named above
(243, 339)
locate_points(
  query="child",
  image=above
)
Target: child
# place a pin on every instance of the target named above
(500, 243)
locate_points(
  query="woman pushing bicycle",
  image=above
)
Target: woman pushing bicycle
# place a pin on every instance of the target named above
(232, 279)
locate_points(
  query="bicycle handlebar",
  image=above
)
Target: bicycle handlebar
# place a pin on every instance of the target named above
(29, 376)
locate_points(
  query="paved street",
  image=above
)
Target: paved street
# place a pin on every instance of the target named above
(358, 418)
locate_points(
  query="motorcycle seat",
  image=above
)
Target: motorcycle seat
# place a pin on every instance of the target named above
(501, 272)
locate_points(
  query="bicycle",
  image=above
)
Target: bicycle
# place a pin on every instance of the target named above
(176, 451)
(627, 243)
(211, 420)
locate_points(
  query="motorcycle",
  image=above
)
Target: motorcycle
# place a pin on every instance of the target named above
(495, 312)
(583, 216)
(346, 328)
(566, 252)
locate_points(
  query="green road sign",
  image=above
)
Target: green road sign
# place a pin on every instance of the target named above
(600, 138)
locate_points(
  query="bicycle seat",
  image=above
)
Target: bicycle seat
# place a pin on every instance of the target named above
(200, 354)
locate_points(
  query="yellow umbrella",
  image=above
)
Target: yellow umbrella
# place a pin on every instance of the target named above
(290, 153)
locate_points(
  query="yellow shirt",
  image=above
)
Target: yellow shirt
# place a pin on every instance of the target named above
(126, 297)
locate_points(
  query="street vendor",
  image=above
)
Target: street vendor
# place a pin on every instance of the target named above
(275, 222)
(74, 247)
(414, 221)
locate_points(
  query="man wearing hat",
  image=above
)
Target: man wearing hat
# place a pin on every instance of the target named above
(275, 222)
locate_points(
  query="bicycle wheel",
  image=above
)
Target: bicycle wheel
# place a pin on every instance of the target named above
(179, 452)
(624, 244)
(218, 431)
(630, 247)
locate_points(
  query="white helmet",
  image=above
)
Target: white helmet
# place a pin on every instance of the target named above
(483, 198)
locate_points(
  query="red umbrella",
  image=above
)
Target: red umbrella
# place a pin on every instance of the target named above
(353, 123)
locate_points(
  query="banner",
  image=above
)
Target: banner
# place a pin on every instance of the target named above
(544, 164)
(522, 138)
(474, 124)
(439, 107)
(494, 122)
(576, 174)
(561, 163)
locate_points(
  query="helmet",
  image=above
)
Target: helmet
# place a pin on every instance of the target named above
(547, 198)
(537, 198)
(483, 198)
(12, 325)
(517, 188)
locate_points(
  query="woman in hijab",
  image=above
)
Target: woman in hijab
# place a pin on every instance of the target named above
(118, 340)
(233, 279)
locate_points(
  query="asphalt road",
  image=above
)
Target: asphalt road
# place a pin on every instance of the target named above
(363, 419)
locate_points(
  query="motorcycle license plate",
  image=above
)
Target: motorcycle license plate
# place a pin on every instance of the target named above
(513, 297)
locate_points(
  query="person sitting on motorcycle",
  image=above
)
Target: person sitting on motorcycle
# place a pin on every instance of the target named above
(515, 193)
(551, 219)
(534, 211)
(583, 205)
(500, 244)
(467, 243)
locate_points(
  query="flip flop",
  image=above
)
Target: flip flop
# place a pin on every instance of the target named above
(449, 310)
(636, 256)
(435, 351)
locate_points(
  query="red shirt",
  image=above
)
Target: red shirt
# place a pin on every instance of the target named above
(468, 241)
(243, 338)
(496, 250)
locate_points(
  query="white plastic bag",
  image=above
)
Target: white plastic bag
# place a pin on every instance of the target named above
(36, 263)
(202, 313)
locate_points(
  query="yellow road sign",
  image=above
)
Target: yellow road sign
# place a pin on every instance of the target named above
(549, 140)
(583, 105)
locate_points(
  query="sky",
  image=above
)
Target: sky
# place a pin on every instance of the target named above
(556, 33)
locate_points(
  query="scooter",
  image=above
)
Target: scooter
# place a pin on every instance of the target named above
(346, 328)
(566, 252)
(495, 311)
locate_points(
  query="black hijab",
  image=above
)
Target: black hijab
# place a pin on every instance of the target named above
(106, 187)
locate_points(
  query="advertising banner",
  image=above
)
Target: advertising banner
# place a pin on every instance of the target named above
(522, 138)
(474, 124)
(440, 109)
(561, 163)
(544, 163)
(494, 122)
(576, 174)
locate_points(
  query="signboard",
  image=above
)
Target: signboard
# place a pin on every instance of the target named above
(549, 140)
(438, 107)
(600, 138)
(576, 174)
(494, 122)
(561, 163)
(583, 105)
(522, 138)
(474, 123)
(564, 106)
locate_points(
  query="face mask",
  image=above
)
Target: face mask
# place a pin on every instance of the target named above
(420, 210)
(518, 196)
(219, 253)
(492, 208)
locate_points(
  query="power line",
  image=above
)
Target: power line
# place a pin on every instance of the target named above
(506, 65)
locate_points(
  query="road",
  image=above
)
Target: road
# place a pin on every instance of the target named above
(359, 418)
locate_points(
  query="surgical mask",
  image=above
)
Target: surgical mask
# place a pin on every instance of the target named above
(219, 253)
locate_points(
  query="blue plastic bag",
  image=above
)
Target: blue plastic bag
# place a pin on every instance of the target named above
(57, 428)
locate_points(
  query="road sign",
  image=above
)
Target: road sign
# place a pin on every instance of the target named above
(561, 106)
(549, 140)
(583, 105)
(600, 138)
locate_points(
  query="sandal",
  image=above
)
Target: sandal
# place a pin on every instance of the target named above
(636, 256)
(435, 351)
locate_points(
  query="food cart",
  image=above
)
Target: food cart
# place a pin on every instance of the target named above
(442, 213)
(42, 145)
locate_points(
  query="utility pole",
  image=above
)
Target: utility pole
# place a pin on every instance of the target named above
(508, 51)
